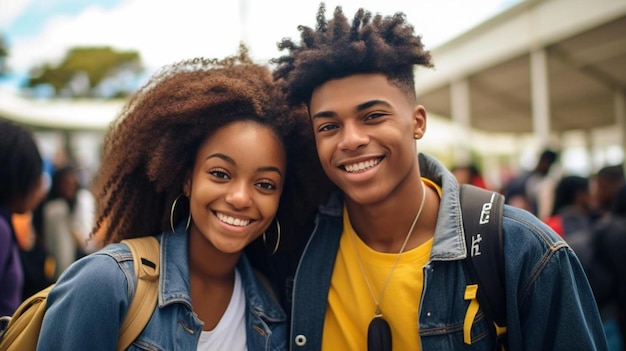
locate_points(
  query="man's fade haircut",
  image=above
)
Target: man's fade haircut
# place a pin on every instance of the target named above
(337, 49)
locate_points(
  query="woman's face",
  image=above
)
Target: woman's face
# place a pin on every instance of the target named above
(235, 185)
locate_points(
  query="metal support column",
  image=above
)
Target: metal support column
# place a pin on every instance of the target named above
(461, 115)
(540, 97)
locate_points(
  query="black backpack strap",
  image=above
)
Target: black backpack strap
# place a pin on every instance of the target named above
(482, 223)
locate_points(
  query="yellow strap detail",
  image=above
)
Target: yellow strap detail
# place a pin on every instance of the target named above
(472, 310)
(145, 299)
(500, 330)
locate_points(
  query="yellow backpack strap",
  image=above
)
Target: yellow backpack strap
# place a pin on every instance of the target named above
(146, 256)
(23, 329)
(470, 315)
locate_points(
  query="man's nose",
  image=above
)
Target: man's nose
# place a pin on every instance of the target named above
(353, 137)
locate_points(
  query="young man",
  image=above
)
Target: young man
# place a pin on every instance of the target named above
(388, 246)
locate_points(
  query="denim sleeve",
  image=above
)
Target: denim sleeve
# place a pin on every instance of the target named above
(86, 307)
(550, 302)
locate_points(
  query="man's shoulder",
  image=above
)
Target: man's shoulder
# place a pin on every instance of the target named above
(525, 226)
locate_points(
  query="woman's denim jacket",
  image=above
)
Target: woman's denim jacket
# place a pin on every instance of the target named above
(89, 303)
(550, 305)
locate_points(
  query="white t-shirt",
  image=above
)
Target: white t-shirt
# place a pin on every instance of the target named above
(230, 332)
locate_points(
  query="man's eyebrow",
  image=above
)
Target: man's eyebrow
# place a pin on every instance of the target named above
(359, 107)
(372, 103)
(324, 114)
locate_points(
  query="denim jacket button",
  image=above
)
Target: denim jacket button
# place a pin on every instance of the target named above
(300, 340)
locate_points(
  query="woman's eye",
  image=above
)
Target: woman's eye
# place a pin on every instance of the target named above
(219, 173)
(266, 185)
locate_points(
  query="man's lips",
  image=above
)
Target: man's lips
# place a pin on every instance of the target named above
(361, 166)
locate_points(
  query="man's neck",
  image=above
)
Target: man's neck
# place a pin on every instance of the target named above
(384, 226)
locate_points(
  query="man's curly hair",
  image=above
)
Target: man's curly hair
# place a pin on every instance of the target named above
(151, 146)
(338, 48)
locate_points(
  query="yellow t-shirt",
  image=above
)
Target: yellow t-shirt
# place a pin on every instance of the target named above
(350, 305)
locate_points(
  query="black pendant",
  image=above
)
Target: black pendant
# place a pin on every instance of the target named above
(378, 335)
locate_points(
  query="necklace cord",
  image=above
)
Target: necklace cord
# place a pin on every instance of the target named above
(378, 313)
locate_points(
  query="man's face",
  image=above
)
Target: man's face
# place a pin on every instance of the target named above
(365, 130)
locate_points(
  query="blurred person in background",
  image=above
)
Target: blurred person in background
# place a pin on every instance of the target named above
(67, 219)
(21, 191)
(608, 279)
(605, 184)
(533, 190)
(469, 174)
(37, 264)
(571, 212)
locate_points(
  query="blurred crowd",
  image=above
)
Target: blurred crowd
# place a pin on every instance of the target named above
(589, 213)
(50, 231)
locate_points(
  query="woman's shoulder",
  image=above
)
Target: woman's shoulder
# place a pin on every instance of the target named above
(105, 269)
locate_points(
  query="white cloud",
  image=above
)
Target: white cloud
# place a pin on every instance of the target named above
(10, 9)
(162, 32)
(165, 32)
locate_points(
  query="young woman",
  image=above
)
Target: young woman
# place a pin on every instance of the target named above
(199, 157)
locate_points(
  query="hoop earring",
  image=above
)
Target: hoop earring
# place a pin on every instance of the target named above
(277, 238)
(172, 214)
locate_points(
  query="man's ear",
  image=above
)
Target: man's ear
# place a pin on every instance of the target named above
(419, 118)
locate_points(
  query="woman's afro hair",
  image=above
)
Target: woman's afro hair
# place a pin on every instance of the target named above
(151, 146)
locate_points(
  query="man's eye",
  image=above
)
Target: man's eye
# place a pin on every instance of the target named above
(374, 116)
(327, 127)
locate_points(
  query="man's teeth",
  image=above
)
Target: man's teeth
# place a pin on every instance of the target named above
(232, 220)
(361, 166)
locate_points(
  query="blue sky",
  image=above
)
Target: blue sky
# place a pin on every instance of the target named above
(41, 31)
(30, 21)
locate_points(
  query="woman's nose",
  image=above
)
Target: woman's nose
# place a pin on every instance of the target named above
(239, 196)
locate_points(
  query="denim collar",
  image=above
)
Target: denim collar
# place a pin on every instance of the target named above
(174, 286)
(449, 240)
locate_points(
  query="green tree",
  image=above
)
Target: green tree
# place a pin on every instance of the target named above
(85, 70)
(4, 53)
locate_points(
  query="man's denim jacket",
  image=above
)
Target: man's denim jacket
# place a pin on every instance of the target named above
(550, 305)
(89, 303)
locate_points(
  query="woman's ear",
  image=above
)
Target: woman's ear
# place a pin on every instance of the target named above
(187, 187)
(419, 117)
